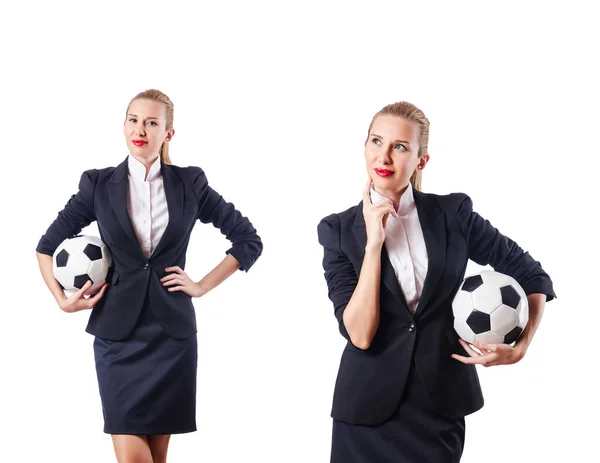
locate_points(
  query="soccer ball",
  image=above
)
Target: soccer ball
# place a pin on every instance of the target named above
(490, 307)
(80, 259)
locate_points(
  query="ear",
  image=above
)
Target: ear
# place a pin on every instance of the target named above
(170, 135)
(423, 160)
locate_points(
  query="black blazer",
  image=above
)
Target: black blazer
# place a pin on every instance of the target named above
(102, 196)
(370, 382)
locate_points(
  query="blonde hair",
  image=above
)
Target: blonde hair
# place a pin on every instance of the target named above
(410, 113)
(160, 97)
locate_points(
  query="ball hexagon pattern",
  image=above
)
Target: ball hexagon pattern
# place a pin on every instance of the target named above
(490, 307)
(80, 259)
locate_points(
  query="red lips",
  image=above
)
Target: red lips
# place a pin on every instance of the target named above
(384, 172)
(139, 142)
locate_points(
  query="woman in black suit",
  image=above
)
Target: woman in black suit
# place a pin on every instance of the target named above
(393, 264)
(144, 324)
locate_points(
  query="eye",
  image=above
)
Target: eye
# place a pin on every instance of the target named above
(133, 119)
(376, 140)
(152, 122)
(400, 147)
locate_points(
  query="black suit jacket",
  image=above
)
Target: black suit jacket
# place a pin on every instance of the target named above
(370, 382)
(102, 196)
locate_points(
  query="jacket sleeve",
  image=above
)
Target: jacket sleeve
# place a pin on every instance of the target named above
(339, 272)
(488, 246)
(246, 244)
(77, 214)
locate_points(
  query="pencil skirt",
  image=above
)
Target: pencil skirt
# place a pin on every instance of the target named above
(147, 381)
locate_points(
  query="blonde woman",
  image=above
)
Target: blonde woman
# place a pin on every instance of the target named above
(143, 320)
(393, 264)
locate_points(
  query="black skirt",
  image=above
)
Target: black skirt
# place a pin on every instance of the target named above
(414, 434)
(148, 381)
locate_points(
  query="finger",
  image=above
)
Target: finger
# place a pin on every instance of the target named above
(366, 191)
(460, 358)
(79, 294)
(176, 288)
(170, 277)
(383, 208)
(393, 211)
(383, 203)
(488, 347)
(387, 205)
(479, 360)
(175, 281)
(175, 269)
(100, 293)
(468, 348)
(475, 349)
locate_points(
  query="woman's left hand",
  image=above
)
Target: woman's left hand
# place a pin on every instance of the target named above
(491, 354)
(182, 281)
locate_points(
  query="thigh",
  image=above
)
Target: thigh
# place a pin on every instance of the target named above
(159, 444)
(131, 448)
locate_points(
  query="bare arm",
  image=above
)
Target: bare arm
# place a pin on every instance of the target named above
(45, 263)
(361, 316)
(537, 303)
(227, 267)
(180, 281)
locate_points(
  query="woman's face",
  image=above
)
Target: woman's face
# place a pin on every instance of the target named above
(145, 128)
(391, 153)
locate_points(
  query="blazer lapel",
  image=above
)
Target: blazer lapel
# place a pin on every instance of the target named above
(433, 224)
(388, 276)
(117, 193)
(174, 194)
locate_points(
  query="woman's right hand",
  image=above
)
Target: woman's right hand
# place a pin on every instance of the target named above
(77, 301)
(376, 216)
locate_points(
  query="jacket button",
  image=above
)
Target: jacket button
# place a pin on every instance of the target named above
(411, 327)
(146, 266)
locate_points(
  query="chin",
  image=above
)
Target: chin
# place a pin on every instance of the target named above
(390, 184)
(141, 151)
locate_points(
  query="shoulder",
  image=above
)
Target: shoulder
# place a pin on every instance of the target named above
(103, 174)
(189, 173)
(186, 170)
(99, 174)
(450, 202)
(92, 177)
(339, 220)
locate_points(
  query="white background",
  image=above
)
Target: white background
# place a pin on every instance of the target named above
(273, 100)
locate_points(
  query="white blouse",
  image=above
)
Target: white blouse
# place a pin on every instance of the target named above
(147, 203)
(405, 245)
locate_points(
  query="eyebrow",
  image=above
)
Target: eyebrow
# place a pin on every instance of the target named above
(135, 115)
(395, 141)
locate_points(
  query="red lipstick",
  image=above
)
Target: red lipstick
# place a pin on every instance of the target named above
(384, 172)
(139, 142)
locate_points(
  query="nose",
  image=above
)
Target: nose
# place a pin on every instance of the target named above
(386, 155)
(140, 129)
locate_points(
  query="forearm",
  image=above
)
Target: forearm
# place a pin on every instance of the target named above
(45, 264)
(361, 316)
(536, 303)
(227, 267)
